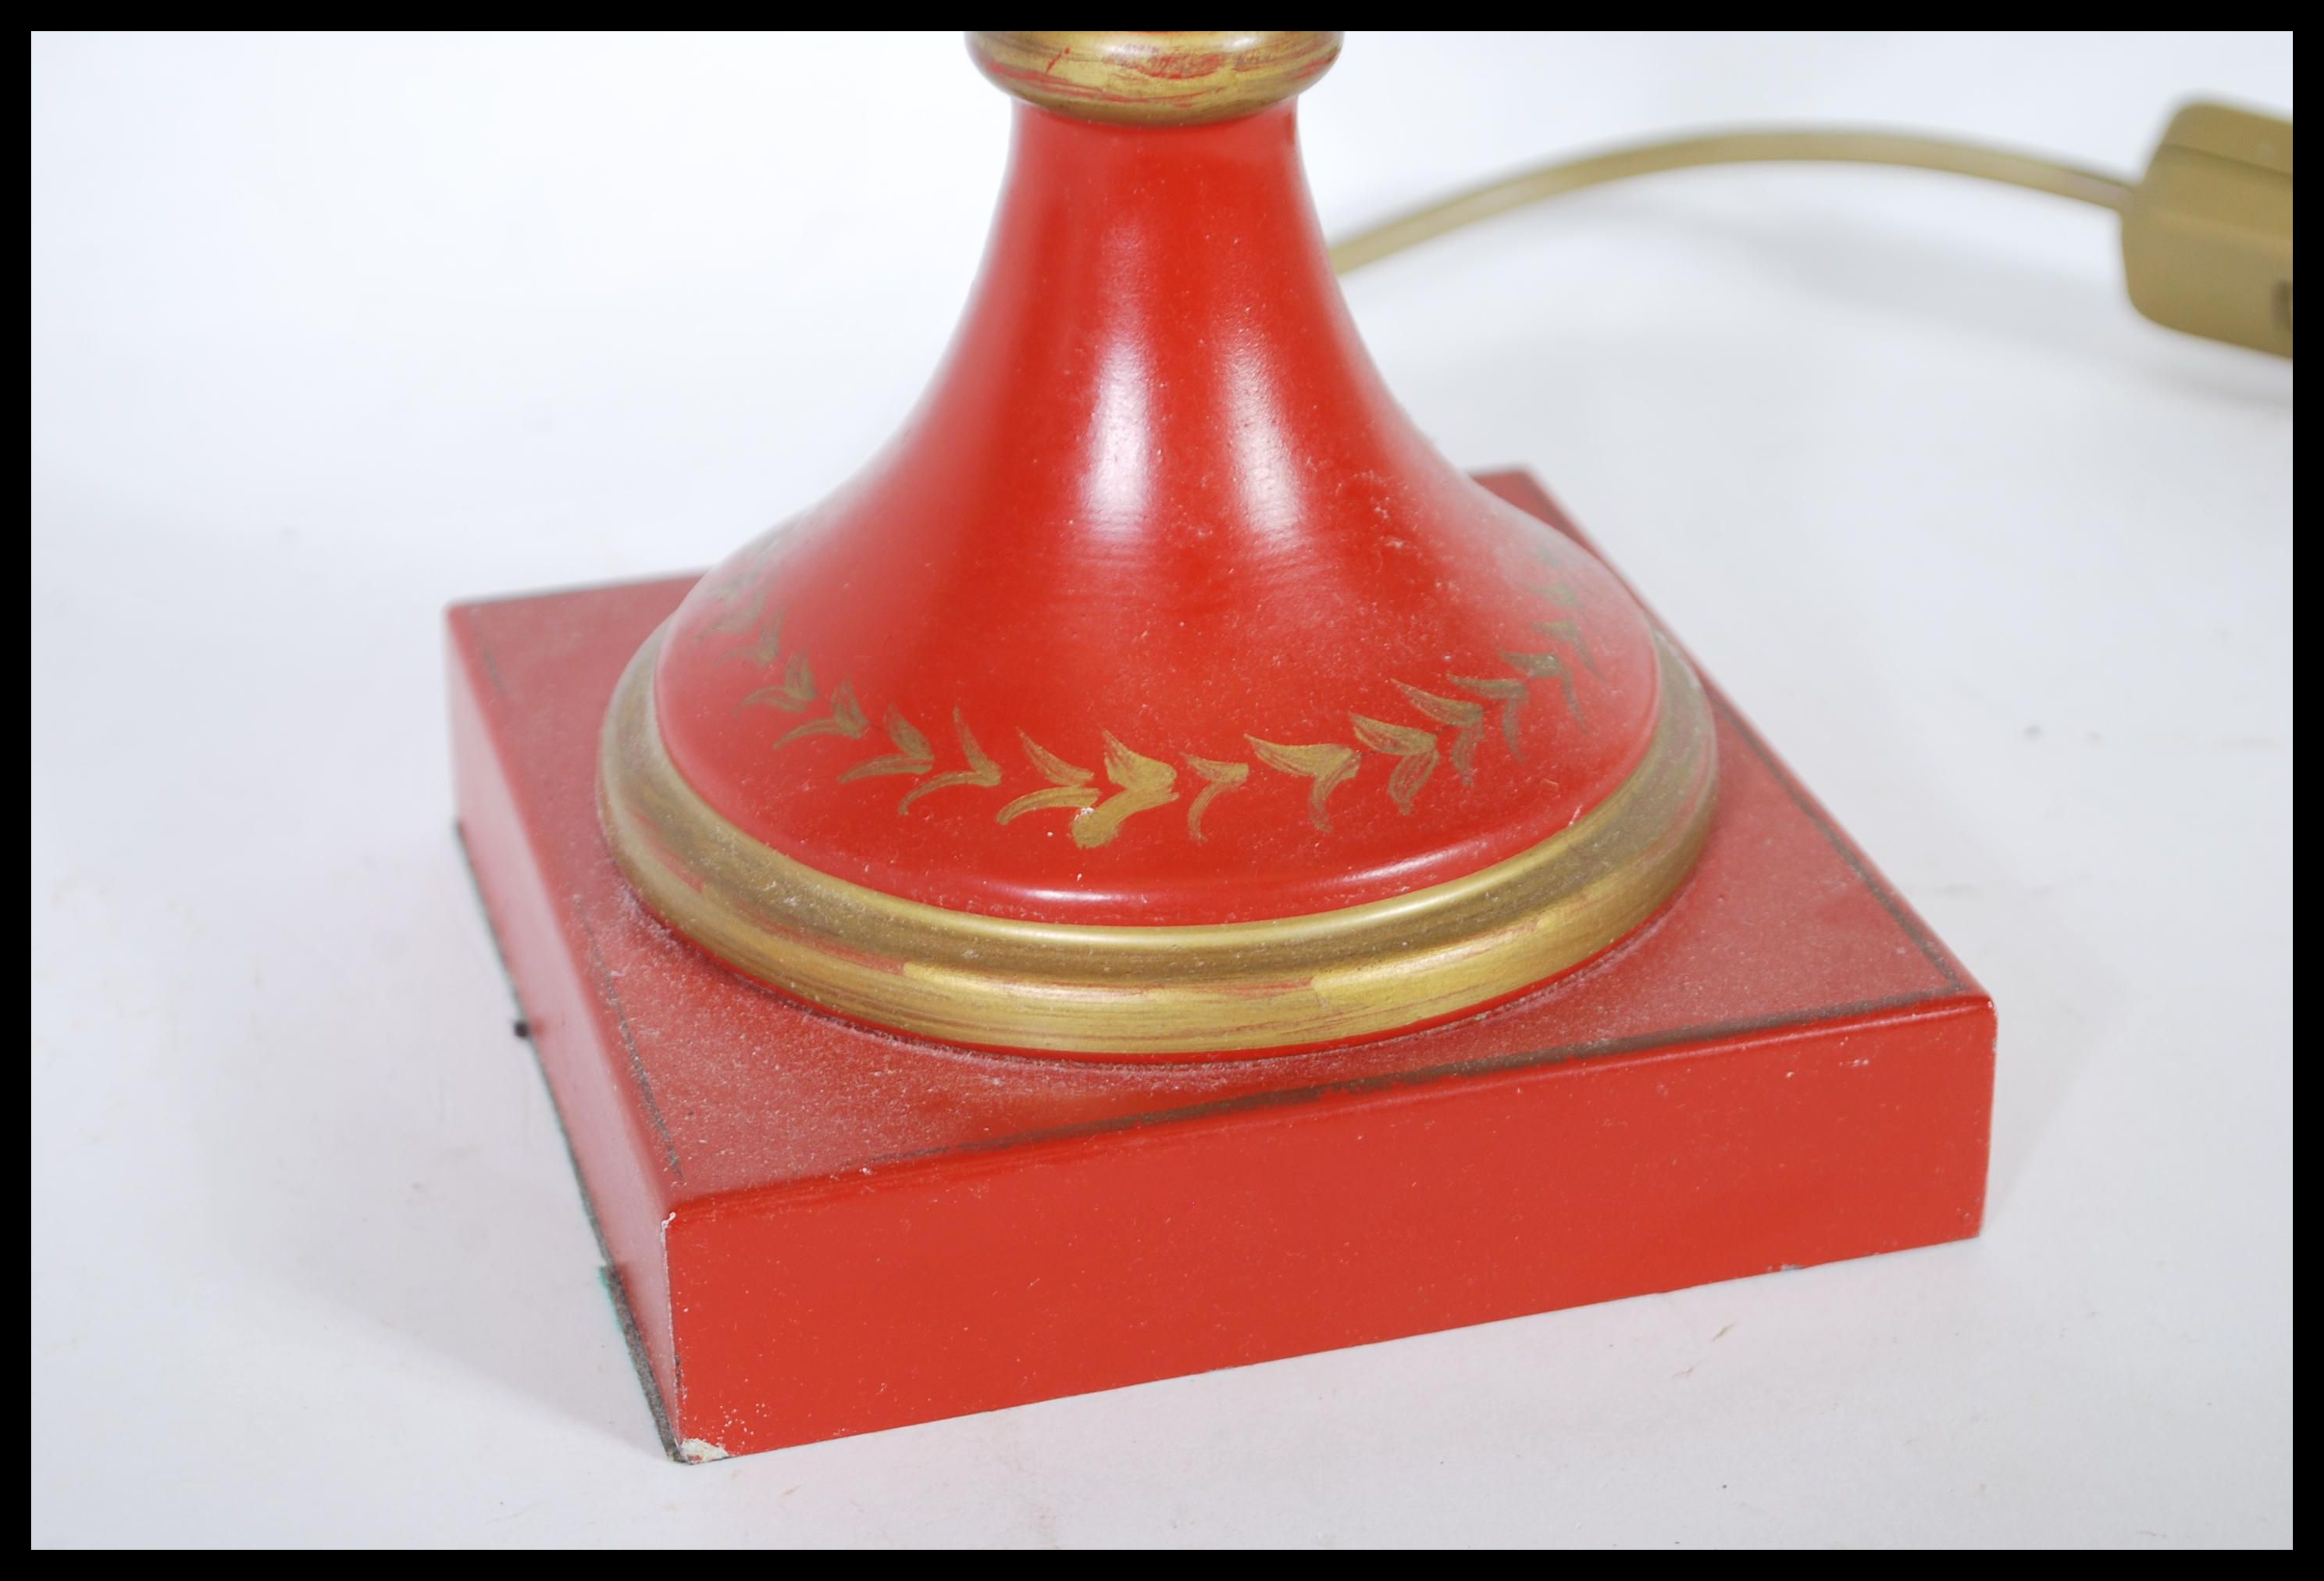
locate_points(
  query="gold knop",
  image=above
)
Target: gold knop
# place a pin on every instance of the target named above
(1154, 79)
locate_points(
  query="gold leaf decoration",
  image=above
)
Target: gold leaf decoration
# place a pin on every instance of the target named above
(912, 755)
(1467, 722)
(1570, 634)
(1509, 694)
(1141, 783)
(795, 692)
(1548, 666)
(1327, 763)
(1144, 784)
(739, 616)
(1551, 549)
(738, 577)
(1068, 786)
(846, 719)
(1222, 777)
(980, 771)
(1414, 750)
(764, 648)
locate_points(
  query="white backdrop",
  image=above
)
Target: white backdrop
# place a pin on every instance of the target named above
(327, 332)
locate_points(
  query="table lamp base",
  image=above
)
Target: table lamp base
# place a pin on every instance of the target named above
(815, 1229)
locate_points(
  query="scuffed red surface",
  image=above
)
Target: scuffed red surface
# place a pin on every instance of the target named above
(823, 1229)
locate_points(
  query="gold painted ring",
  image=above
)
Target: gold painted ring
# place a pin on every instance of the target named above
(1178, 992)
(1154, 79)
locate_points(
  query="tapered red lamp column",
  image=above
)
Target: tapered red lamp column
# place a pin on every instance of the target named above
(1158, 692)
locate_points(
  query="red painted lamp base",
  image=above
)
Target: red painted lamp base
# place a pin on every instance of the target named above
(817, 1229)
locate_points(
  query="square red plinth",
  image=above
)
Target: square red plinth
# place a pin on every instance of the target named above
(816, 1229)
